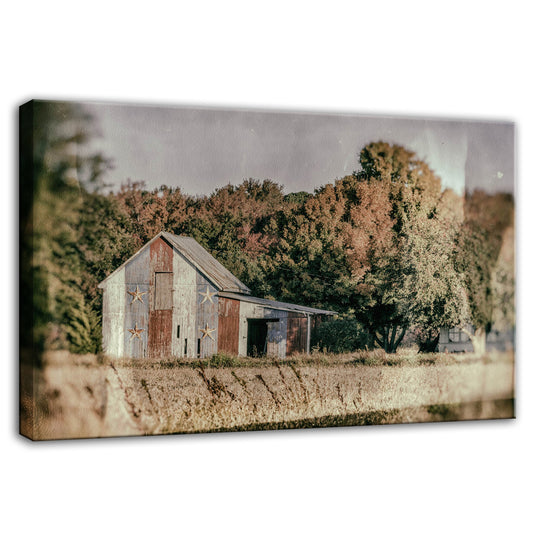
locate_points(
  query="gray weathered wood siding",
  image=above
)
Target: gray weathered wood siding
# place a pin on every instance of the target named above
(247, 310)
(207, 317)
(113, 311)
(184, 315)
(136, 312)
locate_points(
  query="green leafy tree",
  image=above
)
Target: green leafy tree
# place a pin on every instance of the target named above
(309, 262)
(438, 296)
(486, 261)
(56, 168)
(83, 328)
(343, 334)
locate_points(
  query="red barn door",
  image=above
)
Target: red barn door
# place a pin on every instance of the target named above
(296, 333)
(228, 325)
(161, 281)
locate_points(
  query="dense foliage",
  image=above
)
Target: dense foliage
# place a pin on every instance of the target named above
(384, 245)
(485, 256)
(343, 334)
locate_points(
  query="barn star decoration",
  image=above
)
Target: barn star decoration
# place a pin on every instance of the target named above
(208, 295)
(207, 331)
(135, 332)
(137, 295)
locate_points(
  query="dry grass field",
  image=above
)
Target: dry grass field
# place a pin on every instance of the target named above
(87, 396)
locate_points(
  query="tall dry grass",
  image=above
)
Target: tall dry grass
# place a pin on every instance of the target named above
(82, 397)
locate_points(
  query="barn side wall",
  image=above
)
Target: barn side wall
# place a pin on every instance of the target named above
(113, 316)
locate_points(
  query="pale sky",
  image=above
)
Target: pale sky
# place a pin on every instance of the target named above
(203, 149)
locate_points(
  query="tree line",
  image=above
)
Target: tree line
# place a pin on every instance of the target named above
(386, 247)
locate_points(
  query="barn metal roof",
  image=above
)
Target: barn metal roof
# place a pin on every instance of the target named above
(275, 304)
(221, 277)
(225, 282)
(200, 258)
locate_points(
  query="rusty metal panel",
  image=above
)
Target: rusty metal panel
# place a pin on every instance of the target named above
(184, 316)
(206, 317)
(207, 265)
(137, 304)
(228, 325)
(161, 285)
(296, 333)
(160, 256)
(114, 301)
(159, 334)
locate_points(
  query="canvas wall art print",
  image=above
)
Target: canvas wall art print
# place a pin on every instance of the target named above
(196, 270)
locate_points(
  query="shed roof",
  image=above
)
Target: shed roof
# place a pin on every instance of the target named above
(200, 258)
(273, 304)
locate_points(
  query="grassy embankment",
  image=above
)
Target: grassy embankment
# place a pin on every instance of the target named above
(88, 396)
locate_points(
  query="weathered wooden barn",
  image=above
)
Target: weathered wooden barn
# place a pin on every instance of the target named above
(174, 299)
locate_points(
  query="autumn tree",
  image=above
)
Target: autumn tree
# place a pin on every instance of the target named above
(236, 223)
(150, 211)
(375, 256)
(398, 245)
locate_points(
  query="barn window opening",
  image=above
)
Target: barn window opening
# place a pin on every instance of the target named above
(185, 347)
(163, 290)
(178, 332)
(198, 347)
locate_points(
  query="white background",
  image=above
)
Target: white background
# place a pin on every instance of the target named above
(460, 59)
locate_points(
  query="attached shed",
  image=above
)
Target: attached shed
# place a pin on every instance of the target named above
(174, 299)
